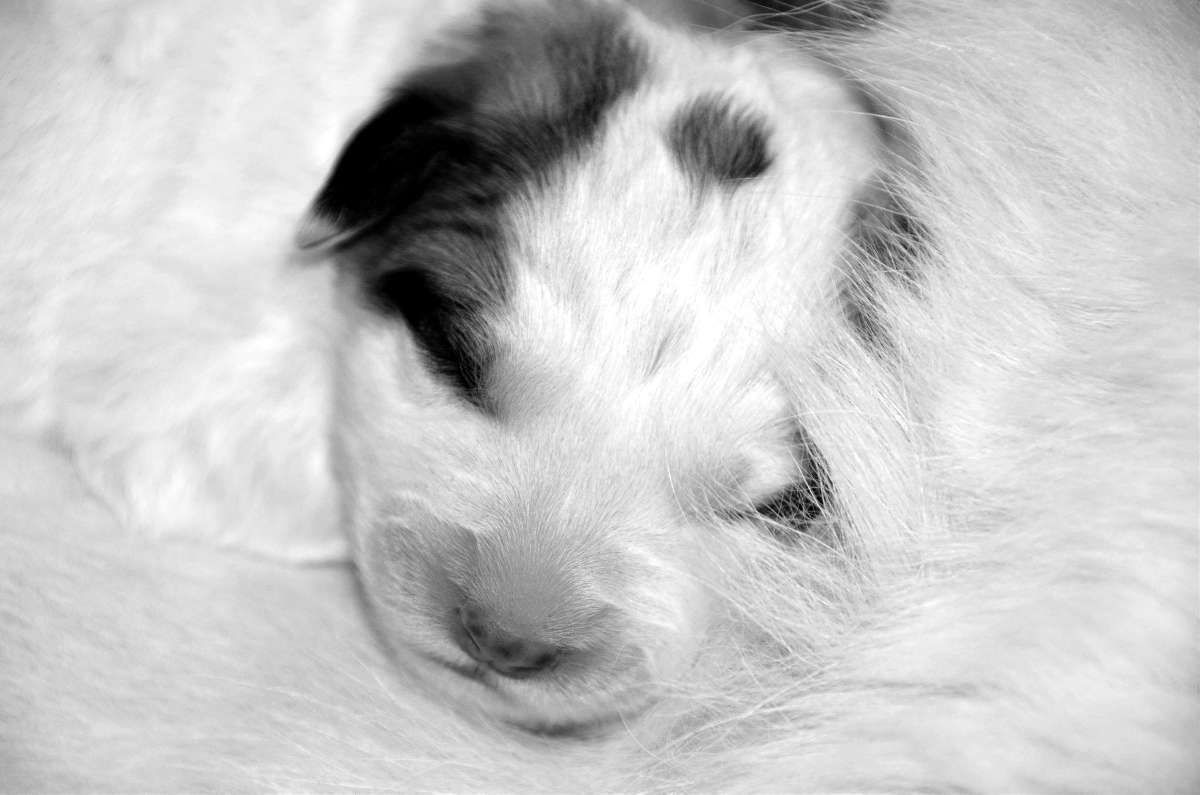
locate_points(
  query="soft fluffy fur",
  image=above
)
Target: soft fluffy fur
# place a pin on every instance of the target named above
(1012, 605)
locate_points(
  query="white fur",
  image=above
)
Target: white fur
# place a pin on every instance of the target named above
(1018, 479)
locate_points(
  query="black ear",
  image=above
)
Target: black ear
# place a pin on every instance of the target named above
(530, 86)
(392, 157)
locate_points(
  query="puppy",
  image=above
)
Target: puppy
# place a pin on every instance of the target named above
(799, 401)
(642, 351)
(563, 384)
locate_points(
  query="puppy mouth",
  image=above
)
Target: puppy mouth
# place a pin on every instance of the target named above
(476, 672)
(480, 673)
(593, 727)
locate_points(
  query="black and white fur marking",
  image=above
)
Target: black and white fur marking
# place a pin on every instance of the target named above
(417, 202)
(714, 142)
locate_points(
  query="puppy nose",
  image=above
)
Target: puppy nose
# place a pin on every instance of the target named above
(505, 652)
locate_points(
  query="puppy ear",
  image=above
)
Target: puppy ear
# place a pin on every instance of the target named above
(391, 158)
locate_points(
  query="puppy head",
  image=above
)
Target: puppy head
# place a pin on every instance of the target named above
(569, 254)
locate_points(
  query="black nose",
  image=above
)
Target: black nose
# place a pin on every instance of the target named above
(503, 651)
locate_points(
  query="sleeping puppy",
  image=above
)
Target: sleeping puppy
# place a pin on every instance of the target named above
(569, 256)
(778, 395)
(639, 392)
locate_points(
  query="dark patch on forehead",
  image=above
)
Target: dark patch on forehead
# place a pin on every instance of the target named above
(416, 203)
(713, 141)
(820, 16)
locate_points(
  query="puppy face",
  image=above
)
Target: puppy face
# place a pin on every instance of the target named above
(569, 255)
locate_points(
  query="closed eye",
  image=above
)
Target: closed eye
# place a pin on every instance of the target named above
(801, 507)
(792, 510)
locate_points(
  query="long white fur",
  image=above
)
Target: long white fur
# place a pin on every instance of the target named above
(1022, 482)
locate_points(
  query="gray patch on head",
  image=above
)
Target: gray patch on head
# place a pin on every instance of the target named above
(713, 141)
